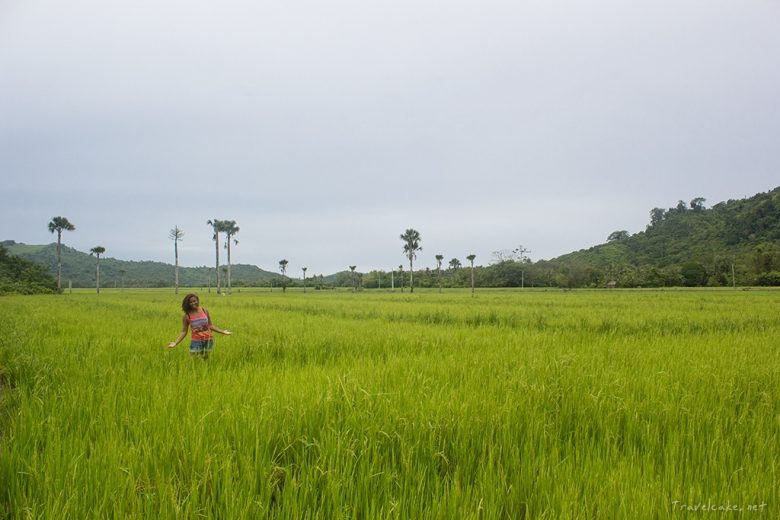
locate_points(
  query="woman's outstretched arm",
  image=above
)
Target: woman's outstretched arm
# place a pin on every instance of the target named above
(182, 334)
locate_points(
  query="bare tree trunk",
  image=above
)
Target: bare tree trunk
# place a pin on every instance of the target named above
(59, 260)
(176, 269)
(97, 274)
(411, 276)
(229, 285)
(216, 244)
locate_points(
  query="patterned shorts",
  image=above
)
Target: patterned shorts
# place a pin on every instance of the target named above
(198, 346)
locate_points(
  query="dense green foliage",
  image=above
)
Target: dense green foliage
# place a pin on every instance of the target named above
(18, 275)
(686, 245)
(536, 404)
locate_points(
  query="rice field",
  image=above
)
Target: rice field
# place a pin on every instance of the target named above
(535, 404)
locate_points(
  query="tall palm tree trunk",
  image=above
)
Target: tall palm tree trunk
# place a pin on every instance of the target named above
(59, 260)
(411, 276)
(229, 284)
(97, 275)
(216, 244)
(176, 269)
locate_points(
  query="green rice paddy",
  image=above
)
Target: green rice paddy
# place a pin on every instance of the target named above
(578, 404)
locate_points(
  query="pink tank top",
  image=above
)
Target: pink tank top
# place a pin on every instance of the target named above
(199, 325)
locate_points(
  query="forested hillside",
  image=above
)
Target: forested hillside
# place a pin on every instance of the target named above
(79, 269)
(737, 241)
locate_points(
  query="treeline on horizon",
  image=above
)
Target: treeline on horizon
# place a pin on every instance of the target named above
(732, 243)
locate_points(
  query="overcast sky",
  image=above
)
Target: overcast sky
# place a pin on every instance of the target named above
(325, 129)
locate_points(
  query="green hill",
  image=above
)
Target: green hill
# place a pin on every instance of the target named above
(79, 269)
(737, 241)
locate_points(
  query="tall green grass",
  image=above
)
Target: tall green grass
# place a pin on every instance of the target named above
(385, 405)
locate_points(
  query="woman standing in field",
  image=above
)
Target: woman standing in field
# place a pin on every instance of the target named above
(198, 320)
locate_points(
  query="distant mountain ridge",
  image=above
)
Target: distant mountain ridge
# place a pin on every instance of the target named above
(79, 268)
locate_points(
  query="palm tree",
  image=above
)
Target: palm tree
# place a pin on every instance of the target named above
(471, 258)
(454, 264)
(97, 251)
(304, 278)
(283, 268)
(176, 234)
(216, 226)
(411, 238)
(352, 276)
(230, 229)
(60, 224)
(439, 259)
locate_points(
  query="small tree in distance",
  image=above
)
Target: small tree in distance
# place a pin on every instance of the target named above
(522, 257)
(60, 224)
(439, 259)
(97, 251)
(176, 234)
(616, 236)
(697, 204)
(230, 228)
(411, 238)
(471, 258)
(352, 276)
(283, 268)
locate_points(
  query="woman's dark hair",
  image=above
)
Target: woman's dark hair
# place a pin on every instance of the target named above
(185, 303)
